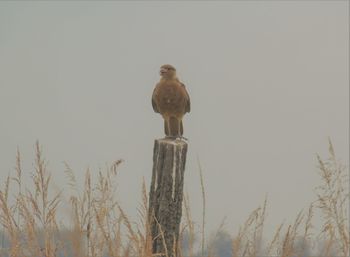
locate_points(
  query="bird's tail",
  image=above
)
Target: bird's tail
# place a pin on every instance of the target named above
(181, 128)
(175, 127)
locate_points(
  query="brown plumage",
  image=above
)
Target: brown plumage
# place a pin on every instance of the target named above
(171, 100)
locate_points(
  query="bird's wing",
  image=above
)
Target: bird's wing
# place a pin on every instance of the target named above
(154, 104)
(188, 101)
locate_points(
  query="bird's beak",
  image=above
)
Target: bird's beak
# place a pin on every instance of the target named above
(162, 71)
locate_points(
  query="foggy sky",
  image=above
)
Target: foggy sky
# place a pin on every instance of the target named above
(268, 82)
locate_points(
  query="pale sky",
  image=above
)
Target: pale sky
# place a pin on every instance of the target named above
(268, 81)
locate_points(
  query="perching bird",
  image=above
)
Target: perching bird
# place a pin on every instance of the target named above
(171, 100)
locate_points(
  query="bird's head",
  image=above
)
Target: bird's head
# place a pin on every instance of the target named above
(167, 71)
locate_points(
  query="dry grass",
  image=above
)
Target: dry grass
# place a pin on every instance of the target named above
(100, 227)
(333, 201)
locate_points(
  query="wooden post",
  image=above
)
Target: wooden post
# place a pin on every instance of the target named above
(166, 194)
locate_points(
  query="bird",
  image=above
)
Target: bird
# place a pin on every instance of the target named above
(171, 99)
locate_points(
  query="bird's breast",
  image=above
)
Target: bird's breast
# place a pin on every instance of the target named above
(170, 98)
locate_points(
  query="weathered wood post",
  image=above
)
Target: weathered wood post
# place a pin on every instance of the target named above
(166, 194)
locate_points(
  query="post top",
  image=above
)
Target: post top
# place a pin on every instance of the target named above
(171, 141)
